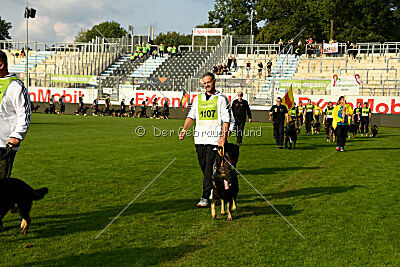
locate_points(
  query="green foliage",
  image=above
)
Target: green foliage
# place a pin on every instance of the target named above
(234, 16)
(4, 29)
(357, 21)
(110, 29)
(173, 39)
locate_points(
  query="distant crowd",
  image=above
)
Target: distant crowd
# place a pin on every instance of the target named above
(146, 50)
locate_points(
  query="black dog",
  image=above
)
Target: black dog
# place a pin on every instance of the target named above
(225, 181)
(35, 108)
(291, 135)
(374, 131)
(352, 130)
(14, 191)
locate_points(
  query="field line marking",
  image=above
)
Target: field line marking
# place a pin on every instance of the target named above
(266, 199)
(144, 189)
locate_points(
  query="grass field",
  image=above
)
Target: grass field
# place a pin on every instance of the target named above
(345, 204)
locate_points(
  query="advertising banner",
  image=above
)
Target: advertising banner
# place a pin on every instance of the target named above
(42, 94)
(331, 48)
(345, 85)
(304, 84)
(86, 79)
(207, 31)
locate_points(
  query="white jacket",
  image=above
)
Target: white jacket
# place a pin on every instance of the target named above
(15, 112)
(210, 134)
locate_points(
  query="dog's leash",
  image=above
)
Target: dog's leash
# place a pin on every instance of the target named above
(9, 147)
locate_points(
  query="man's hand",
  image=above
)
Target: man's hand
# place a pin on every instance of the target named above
(250, 120)
(221, 141)
(182, 135)
(13, 141)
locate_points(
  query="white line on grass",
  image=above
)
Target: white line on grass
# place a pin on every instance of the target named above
(144, 189)
(266, 200)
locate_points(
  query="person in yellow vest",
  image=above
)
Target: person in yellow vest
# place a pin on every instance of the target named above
(294, 113)
(357, 116)
(309, 115)
(138, 48)
(154, 54)
(300, 116)
(317, 113)
(341, 121)
(15, 116)
(328, 120)
(132, 57)
(148, 48)
(212, 113)
(144, 49)
(161, 50)
(169, 50)
(365, 117)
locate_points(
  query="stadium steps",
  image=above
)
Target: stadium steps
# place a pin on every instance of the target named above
(148, 67)
(33, 60)
(110, 70)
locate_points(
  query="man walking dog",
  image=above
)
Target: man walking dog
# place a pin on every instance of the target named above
(15, 116)
(212, 113)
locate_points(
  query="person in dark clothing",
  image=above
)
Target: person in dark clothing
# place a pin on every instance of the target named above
(123, 106)
(81, 107)
(132, 107)
(357, 116)
(108, 105)
(309, 115)
(230, 59)
(143, 113)
(52, 105)
(95, 106)
(260, 69)
(269, 67)
(166, 110)
(240, 110)
(365, 118)
(278, 114)
(62, 104)
(155, 109)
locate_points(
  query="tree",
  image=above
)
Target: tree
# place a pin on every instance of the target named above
(234, 16)
(173, 39)
(110, 29)
(4, 29)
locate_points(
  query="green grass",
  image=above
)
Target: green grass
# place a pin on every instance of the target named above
(345, 204)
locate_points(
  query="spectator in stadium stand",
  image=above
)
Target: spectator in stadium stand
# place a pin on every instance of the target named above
(15, 116)
(169, 50)
(297, 52)
(248, 67)
(299, 43)
(132, 57)
(174, 51)
(355, 51)
(161, 50)
(123, 107)
(144, 49)
(154, 54)
(108, 105)
(22, 53)
(234, 62)
(348, 47)
(52, 105)
(260, 69)
(148, 48)
(291, 46)
(278, 114)
(132, 107)
(138, 48)
(81, 106)
(166, 109)
(241, 111)
(215, 69)
(269, 67)
(95, 106)
(62, 104)
(141, 55)
(229, 65)
(225, 70)
(281, 46)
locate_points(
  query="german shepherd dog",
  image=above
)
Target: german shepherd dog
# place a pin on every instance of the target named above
(291, 135)
(224, 179)
(315, 127)
(14, 191)
(374, 131)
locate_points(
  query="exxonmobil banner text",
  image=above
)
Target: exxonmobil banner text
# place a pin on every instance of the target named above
(378, 104)
(43, 94)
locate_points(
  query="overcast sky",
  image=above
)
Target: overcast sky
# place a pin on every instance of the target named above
(61, 20)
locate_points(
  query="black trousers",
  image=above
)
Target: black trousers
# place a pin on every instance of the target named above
(278, 132)
(239, 126)
(341, 135)
(328, 127)
(6, 164)
(62, 108)
(206, 156)
(364, 124)
(309, 118)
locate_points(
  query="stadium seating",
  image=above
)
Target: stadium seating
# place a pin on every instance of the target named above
(177, 69)
(34, 59)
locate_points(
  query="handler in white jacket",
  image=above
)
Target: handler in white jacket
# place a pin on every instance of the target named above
(15, 116)
(212, 112)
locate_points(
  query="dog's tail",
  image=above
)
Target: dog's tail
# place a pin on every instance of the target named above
(39, 193)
